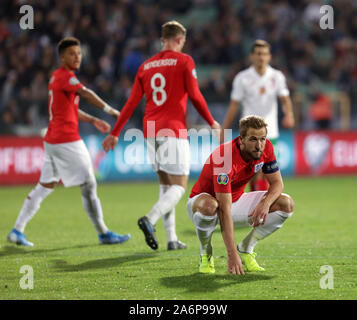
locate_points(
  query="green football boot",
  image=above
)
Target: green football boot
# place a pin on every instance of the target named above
(207, 264)
(250, 262)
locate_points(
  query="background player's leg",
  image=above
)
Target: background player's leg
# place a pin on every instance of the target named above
(168, 219)
(32, 204)
(176, 187)
(49, 178)
(168, 201)
(92, 206)
(172, 188)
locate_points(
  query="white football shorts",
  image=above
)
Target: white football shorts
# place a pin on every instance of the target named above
(169, 154)
(240, 209)
(69, 162)
(244, 206)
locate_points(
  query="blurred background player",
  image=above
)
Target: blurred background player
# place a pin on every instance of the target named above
(66, 156)
(258, 88)
(218, 195)
(166, 79)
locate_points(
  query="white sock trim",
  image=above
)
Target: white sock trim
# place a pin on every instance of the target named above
(287, 215)
(204, 217)
(205, 223)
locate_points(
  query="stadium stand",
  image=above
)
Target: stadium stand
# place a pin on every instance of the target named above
(118, 35)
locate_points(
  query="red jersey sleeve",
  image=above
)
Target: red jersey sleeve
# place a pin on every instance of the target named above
(191, 85)
(270, 165)
(136, 94)
(71, 84)
(269, 152)
(222, 183)
(221, 170)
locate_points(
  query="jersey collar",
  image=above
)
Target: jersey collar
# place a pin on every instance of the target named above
(257, 75)
(62, 68)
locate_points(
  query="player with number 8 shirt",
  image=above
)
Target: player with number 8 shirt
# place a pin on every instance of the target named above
(167, 79)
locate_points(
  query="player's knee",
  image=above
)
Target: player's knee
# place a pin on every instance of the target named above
(89, 189)
(206, 205)
(285, 203)
(210, 207)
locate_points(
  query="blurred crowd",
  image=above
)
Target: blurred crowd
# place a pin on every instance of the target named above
(118, 35)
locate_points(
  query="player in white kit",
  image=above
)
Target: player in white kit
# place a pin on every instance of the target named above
(257, 89)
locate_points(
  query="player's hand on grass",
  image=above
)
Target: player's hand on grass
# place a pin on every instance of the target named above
(259, 214)
(102, 125)
(234, 264)
(109, 142)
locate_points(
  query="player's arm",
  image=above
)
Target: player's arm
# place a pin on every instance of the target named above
(101, 125)
(136, 94)
(237, 95)
(96, 101)
(288, 120)
(276, 187)
(227, 230)
(231, 113)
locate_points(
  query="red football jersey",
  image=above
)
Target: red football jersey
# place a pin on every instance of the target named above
(63, 107)
(225, 171)
(166, 79)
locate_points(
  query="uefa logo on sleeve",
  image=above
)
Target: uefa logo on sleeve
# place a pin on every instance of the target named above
(73, 81)
(222, 178)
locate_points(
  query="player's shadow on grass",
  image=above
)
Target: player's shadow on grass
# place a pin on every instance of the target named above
(64, 266)
(12, 250)
(199, 282)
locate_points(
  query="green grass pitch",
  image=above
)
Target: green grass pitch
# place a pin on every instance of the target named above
(68, 263)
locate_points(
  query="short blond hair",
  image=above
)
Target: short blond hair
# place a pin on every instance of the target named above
(259, 43)
(172, 29)
(254, 122)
